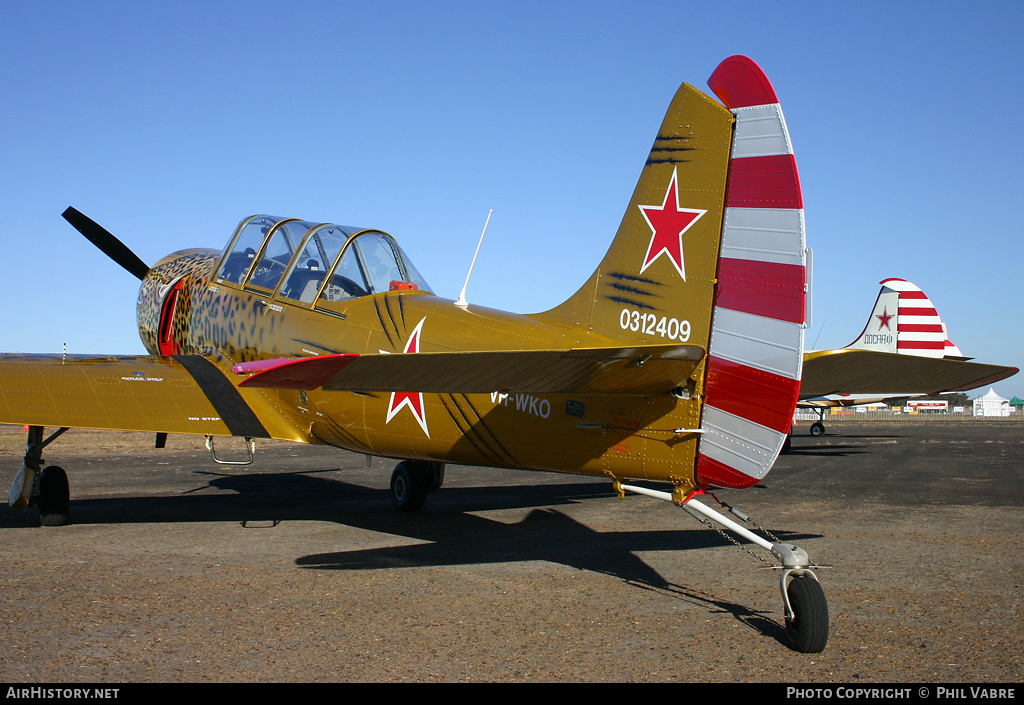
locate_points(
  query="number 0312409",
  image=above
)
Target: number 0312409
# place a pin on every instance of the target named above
(650, 324)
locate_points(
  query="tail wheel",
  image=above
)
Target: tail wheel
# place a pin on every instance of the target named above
(808, 629)
(54, 496)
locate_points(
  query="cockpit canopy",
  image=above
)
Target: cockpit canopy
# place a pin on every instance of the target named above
(314, 263)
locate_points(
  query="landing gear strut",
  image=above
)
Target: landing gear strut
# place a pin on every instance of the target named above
(412, 480)
(806, 610)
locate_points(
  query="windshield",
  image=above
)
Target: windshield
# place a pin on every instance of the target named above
(320, 249)
(312, 263)
(247, 241)
(277, 253)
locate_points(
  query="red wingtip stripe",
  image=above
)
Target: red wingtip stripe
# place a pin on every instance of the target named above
(764, 182)
(293, 373)
(739, 83)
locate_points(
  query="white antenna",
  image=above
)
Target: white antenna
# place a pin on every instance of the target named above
(462, 296)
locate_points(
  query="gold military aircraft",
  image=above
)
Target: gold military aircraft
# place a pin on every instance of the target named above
(677, 362)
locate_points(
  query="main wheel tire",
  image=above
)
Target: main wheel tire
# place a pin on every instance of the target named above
(409, 486)
(817, 428)
(808, 629)
(54, 497)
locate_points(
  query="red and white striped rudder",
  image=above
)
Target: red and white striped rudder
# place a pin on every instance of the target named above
(756, 350)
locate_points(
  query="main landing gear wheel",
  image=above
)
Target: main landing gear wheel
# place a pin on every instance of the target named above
(411, 481)
(807, 629)
(817, 428)
(408, 487)
(54, 497)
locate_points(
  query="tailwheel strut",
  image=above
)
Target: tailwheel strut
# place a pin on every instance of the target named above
(805, 607)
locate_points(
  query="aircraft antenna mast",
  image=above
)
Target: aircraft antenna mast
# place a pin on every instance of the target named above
(462, 295)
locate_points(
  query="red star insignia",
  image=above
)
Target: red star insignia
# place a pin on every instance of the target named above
(883, 320)
(668, 223)
(413, 400)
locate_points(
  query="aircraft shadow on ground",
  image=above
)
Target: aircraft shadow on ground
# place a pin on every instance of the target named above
(825, 451)
(822, 446)
(450, 529)
(844, 436)
(545, 534)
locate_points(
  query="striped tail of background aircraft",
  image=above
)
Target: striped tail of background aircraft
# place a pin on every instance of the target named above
(903, 351)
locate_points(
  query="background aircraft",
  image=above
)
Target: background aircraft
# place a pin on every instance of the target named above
(904, 350)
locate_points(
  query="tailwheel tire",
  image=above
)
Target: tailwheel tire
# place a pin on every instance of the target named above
(54, 497)
(808, 629)
(409, 486)
(817, 428)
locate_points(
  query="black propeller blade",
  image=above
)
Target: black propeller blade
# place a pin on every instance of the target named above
(110, 245)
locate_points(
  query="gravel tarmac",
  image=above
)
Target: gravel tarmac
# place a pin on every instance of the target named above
(295, 569)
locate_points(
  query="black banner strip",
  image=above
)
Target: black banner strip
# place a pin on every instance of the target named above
(233, 410)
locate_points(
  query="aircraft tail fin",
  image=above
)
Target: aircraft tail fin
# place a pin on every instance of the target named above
(711, 253)
(905, 321)
(663, 259)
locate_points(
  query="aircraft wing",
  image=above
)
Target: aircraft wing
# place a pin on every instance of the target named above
(180, 394)
(638, 370)
(884, 375)
(847, 400)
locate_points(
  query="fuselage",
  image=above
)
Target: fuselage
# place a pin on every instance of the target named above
(185, 308)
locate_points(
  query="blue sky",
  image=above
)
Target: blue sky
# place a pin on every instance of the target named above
(170, 122)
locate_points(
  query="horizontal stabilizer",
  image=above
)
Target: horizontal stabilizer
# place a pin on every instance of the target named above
(637, 370)
(851, 371)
